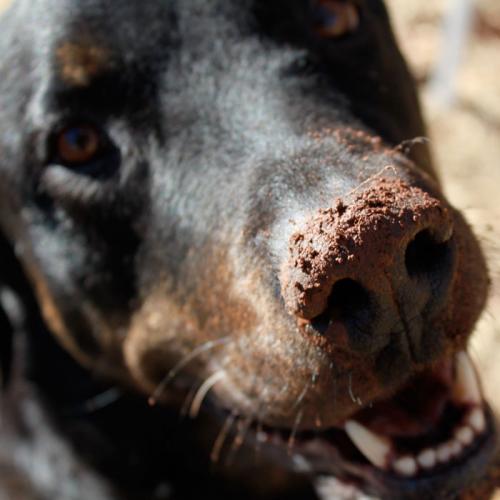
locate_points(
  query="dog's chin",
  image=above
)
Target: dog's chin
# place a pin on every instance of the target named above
(436, 435)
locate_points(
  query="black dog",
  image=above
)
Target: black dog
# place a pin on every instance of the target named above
(222, 206)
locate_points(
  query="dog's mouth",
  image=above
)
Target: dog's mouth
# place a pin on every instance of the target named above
(435, 432)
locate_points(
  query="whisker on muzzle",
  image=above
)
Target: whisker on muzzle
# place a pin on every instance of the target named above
(407, 145)
(354, 398)
(204, 390)
(221, 438)
(197, 351)
(239, 439)
(293, 433)
(188, 400)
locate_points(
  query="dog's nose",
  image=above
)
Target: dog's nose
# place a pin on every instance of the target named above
(377, 262)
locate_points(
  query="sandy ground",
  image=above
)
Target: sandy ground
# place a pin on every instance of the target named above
(466, 139)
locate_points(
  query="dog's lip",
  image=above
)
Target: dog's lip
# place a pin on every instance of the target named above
(361, 453)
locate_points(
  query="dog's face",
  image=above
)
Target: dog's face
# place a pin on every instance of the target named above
(209, 195)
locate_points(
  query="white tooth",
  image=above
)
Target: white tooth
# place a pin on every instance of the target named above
(444, 452)
(466, 388)
(374, 447)
(465, 435)
(427, 458)
(262, 437)
(406, 466)
(301, 464)
(455, 448)
(476, 419)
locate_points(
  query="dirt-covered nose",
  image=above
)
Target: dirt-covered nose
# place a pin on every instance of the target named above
(380, 256)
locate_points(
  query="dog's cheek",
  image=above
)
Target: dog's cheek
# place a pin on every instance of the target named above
(175, 342)
(56, 263)
(158, 336)
(55, 322)
(194, 319)
(95, 346)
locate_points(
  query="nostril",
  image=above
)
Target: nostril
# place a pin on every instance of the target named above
(348, 298)
(348, 303)
(425, 255)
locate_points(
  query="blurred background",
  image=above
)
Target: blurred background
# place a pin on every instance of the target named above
(453, 48)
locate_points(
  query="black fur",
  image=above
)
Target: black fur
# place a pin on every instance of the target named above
(208, 112)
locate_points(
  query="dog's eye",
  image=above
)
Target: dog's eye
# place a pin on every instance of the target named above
(77, 144)
(334, 18)
(78, 151)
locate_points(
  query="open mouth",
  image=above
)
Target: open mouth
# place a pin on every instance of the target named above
(435, 432)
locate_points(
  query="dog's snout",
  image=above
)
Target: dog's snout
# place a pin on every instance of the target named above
(372, 263)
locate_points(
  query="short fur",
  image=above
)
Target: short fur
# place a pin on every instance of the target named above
(230, 124)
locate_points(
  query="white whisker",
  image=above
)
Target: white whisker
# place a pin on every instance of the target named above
(293, 434)
(239, 439)
(207, 346)
(219, 442)
(355, 399)
(188, 401)
(203, 391)
(372, 178)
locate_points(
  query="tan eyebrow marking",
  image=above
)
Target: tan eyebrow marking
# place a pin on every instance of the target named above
(81, 62)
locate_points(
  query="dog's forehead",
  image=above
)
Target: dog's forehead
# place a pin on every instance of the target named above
(137, 27)
(87, 38)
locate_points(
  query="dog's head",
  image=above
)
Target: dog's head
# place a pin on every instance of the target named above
(219, 195)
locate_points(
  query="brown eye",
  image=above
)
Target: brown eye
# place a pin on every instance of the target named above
(334, 18)
(77, 145)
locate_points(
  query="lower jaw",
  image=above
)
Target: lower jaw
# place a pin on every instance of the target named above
(444, 481)
(332, 454)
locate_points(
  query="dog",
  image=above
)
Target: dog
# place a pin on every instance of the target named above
(228, 210)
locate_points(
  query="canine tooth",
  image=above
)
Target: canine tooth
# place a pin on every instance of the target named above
(465, 435)
(444, 452)
(466, 388)
(374, 447)
(427, 458)
(406, 466)
(476, 419)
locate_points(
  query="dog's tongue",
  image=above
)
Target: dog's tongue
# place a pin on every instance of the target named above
(415, 409)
